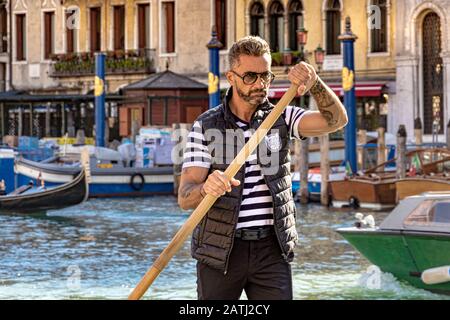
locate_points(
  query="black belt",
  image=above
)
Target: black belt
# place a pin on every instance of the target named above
(254, 234)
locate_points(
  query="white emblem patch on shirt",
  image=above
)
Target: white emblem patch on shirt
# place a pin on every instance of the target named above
(273, 142)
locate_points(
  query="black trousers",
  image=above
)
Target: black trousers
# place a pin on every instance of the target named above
(254, 266)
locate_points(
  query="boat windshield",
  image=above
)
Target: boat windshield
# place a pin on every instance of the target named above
(430, 213)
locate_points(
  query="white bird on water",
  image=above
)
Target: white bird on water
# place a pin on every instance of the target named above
(364, 222)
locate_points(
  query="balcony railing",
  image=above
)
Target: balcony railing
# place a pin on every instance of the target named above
(117, 62)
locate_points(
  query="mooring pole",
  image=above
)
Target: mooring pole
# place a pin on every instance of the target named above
(348, 84)
(214, 69)
(100, 99)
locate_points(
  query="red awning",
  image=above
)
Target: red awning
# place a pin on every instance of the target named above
(363, 89)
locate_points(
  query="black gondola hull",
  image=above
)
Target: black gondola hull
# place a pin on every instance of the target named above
(66, 195)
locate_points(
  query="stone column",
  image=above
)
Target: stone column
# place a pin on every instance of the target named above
(266, 27)
(20, 122)
(407, 95)
(47, 120)
(247, 22)
(446, 89)
(63, 120)
(286, 31)
(70, 124)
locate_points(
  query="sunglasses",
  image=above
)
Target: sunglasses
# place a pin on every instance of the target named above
(250, 78)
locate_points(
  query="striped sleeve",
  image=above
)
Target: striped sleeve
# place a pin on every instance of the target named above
(196, 153)
(292, 116)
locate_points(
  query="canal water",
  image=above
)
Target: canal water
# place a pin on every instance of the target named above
(100, 250)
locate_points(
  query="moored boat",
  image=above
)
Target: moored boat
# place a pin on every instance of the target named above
(376, 188)
(315, 180)
(107, 180)
(412, 241)
(29, 198)
(375, 192)
(416, 185)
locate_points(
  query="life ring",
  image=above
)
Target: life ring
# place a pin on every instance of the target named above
(137, 185)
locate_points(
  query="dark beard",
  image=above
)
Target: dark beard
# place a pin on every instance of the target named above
(253, 100)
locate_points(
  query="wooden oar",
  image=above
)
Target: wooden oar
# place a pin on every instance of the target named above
(209, 200)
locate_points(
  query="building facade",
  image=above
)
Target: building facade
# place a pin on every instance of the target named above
(52, 45)
(373, 21)
(401, 54)
(4, 52)
(423, 66)
(53, 41)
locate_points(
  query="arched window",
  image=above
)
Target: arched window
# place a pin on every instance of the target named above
(276, 11)
(221, 21)
(333, 14)
(378, 31)
(257, 19)
(295, 22)
(433, 75)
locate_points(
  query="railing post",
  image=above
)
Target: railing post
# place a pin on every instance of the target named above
(418, 131)
(381, 158)
(401, 152)
(304, 167)
(324, 169)
(362, 141)
(448, 135)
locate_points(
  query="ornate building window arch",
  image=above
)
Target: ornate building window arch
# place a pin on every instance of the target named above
(276, 21)
(378, 31)
(71, 24)
(296, 20)
(221, 13)
(414, 43)
(332, 25)
(257, 19)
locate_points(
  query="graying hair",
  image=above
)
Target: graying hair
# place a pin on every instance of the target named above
(251, 46)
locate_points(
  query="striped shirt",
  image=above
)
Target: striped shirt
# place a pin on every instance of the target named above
(256, 206)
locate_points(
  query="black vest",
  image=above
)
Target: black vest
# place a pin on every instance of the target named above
(212, 239)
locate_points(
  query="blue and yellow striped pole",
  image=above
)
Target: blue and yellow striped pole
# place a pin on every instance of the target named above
(99, 99)
(214, 46)
(348, 84)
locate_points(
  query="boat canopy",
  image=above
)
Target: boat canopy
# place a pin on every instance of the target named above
(428, 213)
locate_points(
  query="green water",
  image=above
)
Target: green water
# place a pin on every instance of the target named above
(100, 250)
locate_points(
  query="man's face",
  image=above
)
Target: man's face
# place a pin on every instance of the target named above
(252, 93)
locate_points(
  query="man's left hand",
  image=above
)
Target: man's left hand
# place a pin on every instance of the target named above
(304, 76)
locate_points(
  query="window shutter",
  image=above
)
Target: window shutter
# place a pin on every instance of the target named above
(119, 27)
(142, 25)
(48, 34)
(170, 27)
(20, 36)
(69, 35)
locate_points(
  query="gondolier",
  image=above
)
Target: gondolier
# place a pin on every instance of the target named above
(246, 240)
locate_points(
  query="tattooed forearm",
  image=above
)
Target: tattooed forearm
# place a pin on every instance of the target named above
(189, 189)
(190, 195)
(328, 103)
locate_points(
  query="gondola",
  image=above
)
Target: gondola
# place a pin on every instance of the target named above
(28, 198)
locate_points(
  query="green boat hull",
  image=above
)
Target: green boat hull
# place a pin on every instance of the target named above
(404, 254)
